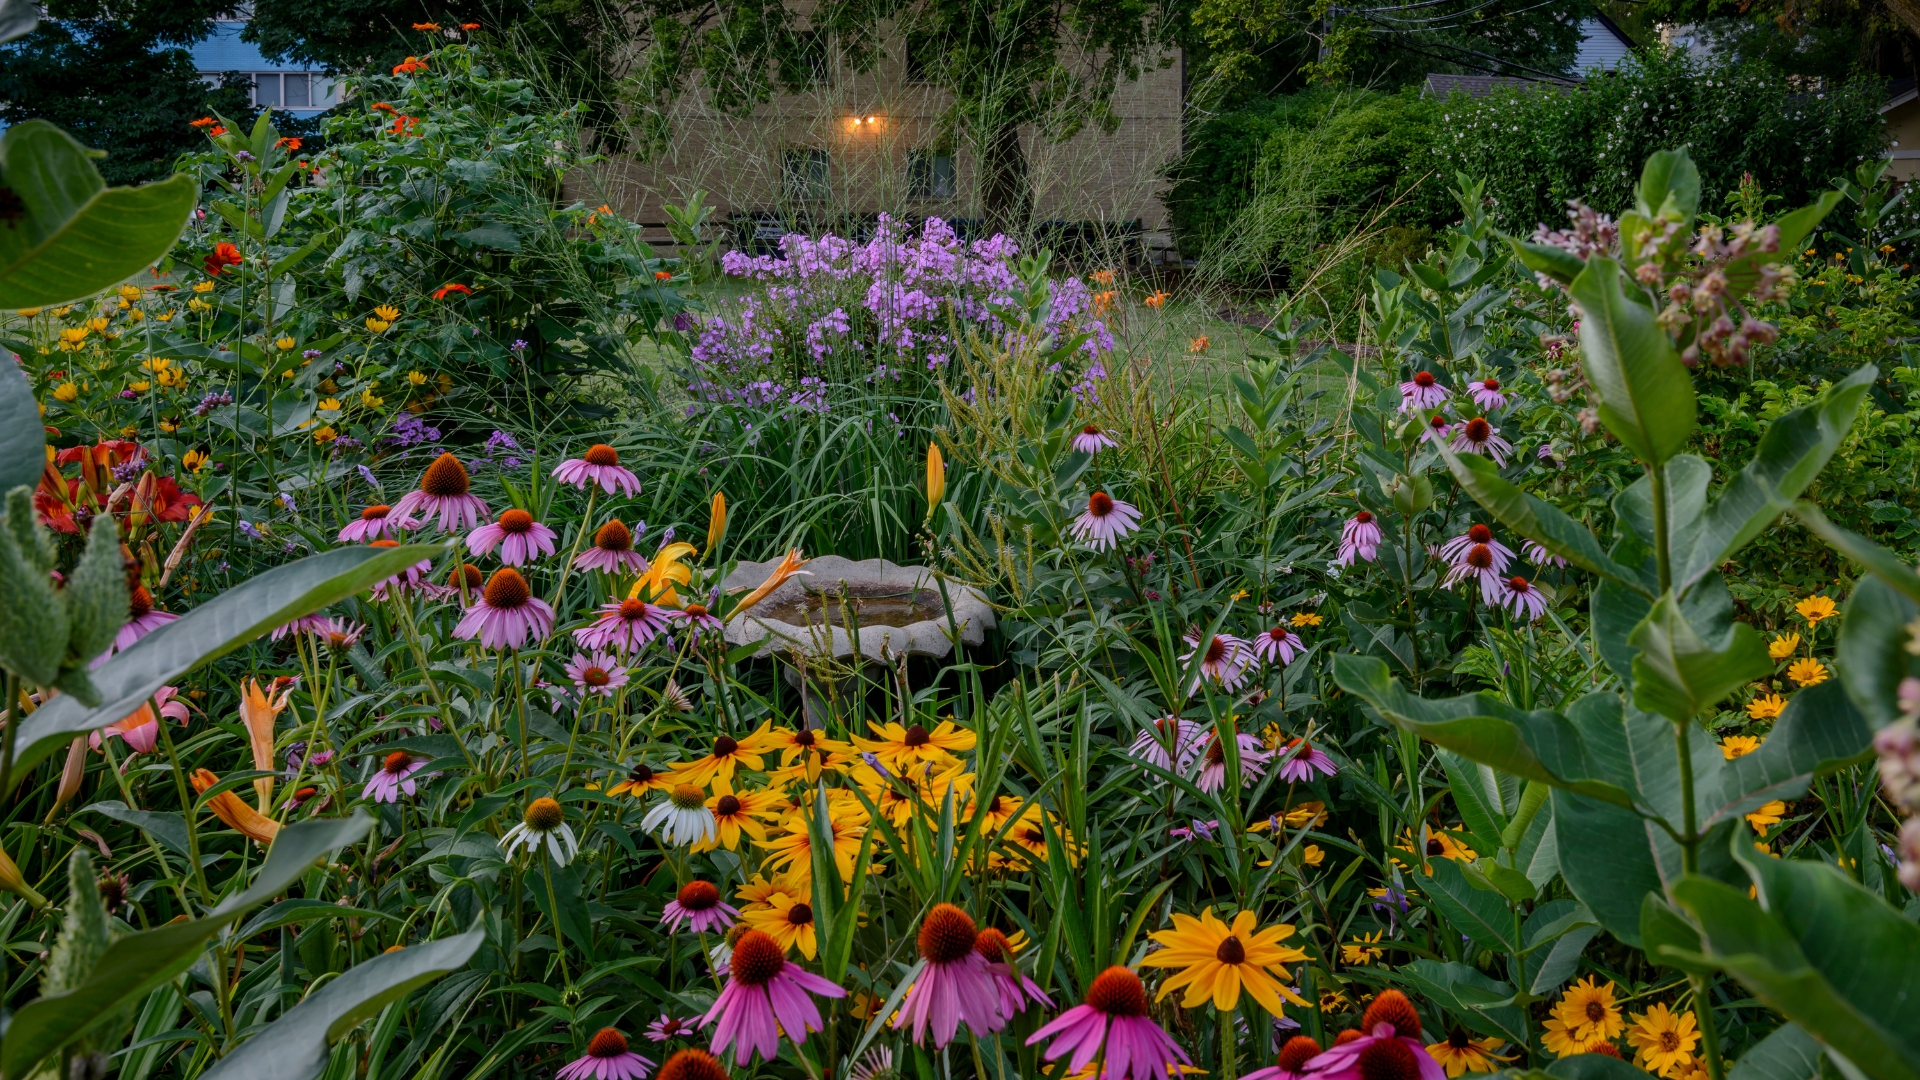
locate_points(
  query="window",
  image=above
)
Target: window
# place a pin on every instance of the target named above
(803, 174)
(929, 175)
(298, 91)
(266, 88)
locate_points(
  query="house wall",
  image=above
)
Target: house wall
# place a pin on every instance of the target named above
(869, 125)
(1903, 139)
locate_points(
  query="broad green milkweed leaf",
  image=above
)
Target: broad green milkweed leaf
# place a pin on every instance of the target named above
(1536, 519)
(1680, 675)
(296, 1046)
(1476, 1000)
(1789, 1053)
(1820, 732)
(136, 963)
(170, 829)
(213, 629)
(1880, 562)
(1669, 184)
(23, 440)
(1646, 395)
(78, 236)
(1873, 649)
(1482, 916)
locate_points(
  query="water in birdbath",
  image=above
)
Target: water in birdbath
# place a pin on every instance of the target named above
(870, 604)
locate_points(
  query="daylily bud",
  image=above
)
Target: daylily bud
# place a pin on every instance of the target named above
(936, 479)
(717, 521)
(71, 774)
(12, 881)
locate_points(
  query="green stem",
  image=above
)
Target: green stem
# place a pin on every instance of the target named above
(1229, 1068)
(1690, 839)
(1709, 1030)
(1662, 550)
(186, 805)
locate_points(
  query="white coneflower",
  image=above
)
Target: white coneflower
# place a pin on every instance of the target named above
(682, 817)
(545, 823)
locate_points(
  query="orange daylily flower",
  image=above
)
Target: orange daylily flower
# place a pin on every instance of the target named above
(259, 709)
(790, 565)
(234, 812)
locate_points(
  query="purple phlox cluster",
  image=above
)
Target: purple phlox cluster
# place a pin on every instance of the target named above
(212, 402)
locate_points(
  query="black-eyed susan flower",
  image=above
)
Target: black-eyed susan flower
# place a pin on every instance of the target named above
(640, 780)
(788, 920)
(728, 756)
(1217, 960)
(737, 814)
(1462, 1053)
(899, 746)
(1361, 951)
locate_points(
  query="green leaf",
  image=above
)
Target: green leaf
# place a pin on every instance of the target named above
(1787, 1054)
(1823, 952)
(1536, 519)
(1592, 1067)
(1557, 263)
(170, 829)
(1482, 916)
(139, 962)
(1481, 1003)
(1669, 186)
(23, 438)
(1616, 868)
(1476, 794)
(1679, 675)
(1661, 925)
(298, 910)
(296, 1046)
(1873, 649)
(1820, 732)
(78, 236)
(1646, 395)
(1879, 562)
(213, 629)
(1795, 447)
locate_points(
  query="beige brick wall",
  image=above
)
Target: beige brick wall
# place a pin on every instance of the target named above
(869, 124)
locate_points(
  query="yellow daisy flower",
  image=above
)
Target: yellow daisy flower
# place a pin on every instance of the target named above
(736, 814)
(1766, 707)
(1662, 1039)
(728, 755)
(788, 921)
(1461, 1053)
(1217, 961)
(1783, 646)
(898, 746)
(1358, 952)
(1735, 746)
(1768, 815)
(1807, 671)
(1814, 609)
(641, 780)
(1305, 618)
(1588, 1012)
(760, 891)
(1557, 1036)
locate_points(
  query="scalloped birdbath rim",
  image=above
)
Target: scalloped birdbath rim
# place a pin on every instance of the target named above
(873, 583)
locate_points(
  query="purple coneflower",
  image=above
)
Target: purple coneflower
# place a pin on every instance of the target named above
(672, 1027)
(1300, 759)
(599, 465)
(596, 674)
(1091, 440)
(626, 625)
(763, 990)
(1476, 436)
(373, 523)
(607, 1058)
(1114, 1025)
(506, 614)
(393, 778)
(142, 619)
(954, 983)
(1213, 771)
(305, 624)
(1540, 556)
(339, 634)
(697, 907)
(519, 538)
(612, 551)
(1169, 743)
(1359, 539)
(1107, 519)
(1278, 645)
(1437, 429)
(1519, 596)
(1460, 555)
(1390, 1047)
(1293, 1061)
(698, 620)
(1223, 658)
(1486, 394)
(1422, 392)
(1016, 990)
(446, 492)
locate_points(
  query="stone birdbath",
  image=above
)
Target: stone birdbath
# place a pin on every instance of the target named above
(893, 611)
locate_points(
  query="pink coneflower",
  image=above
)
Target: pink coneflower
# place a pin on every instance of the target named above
(1300, 759)
(1422, 392)
(1015, 989)
(305, 624)
(1169, 743)
(607, 1058)
(1213, 770)
(1107, 519)
(954, 983)
(506, 614)
(672, 1027)
(339, 634)
(1278, 645)
(626, 625)
(373, 523)
(1223, 658)
(405, 580)
(1091, 440)
(1292, 1064)
(141, 729)
(142, 619)
(599, 465)
(697, 907)
(698, 620)
(1359, 539)
(1457, 551)
(596, 674)
(612, 551)
(1437, 429)
(393, 778)
(1113, 1024)
(1391, 1046)
(1486, 394)
(764, 989)
(1519, 596)
(1476, 436)
(445, 492)
(519, 538)
(1540, 556)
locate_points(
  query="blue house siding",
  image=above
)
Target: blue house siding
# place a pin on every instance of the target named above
(301, 91)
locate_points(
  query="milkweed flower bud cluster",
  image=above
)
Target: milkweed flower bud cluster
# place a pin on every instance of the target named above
(1898, 745)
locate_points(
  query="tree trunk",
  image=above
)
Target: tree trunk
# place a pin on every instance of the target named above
(1004, 187)
(1908, 12)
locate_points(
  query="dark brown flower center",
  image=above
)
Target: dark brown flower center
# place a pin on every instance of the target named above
(1364, 517)
(1118, 992)
(757, 958)
(507, 590)
(518, 521)
(1489, 384)
(800, 915)
(917, 736)
(1478, 430)
(1518, 584)
(601, 454)
(1480, 557)
(633, 608)
(1458, 1037)
(803, 737)
(947, 934)
(1231, 951)
(595, 676)
(1596, 1012)
(698, 896)
(1438, 422)
(1279, 634)
(1435, 848)
(696, 611)
(445, 477)
(1216, 650)
(607, 1043)
(375, 512)
(728, 806)
(613, 536)
(1480, 534)
(724, 745)
(1100, 504)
